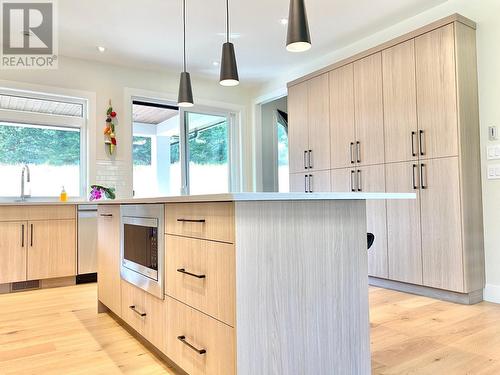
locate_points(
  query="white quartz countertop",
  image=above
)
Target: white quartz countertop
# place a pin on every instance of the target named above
(230, 197)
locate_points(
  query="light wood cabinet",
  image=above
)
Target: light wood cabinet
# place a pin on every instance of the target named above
(108, 257)
(441, 228)
(311, 182)
(13, 242)
(298, 132)
(403, 224)
(52, 249)
(437, 93)
(308, 128)
(400, 103)
(412, 105)
(369, 114)
(342, 131)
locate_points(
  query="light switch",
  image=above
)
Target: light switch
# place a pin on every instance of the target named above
(494, 152)
(494, 172)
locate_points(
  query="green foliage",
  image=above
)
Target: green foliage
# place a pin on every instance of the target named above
(282, 146)
(141, 150)
(30, 145)
(209, 146)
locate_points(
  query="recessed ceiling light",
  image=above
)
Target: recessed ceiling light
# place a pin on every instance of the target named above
(284, 21)
(101, 49)
(215, 63)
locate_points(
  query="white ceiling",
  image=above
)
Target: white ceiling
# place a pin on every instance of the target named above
(148, 33)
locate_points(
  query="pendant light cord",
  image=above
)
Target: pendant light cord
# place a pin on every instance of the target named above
(227, 19)
(184, 30)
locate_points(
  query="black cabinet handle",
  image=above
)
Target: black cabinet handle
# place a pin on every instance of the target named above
(305, 159)
(310, 159)
(191, 220)
(415, 187)
(352, 180)
(141, 314)
(421, 142)
(413, 134)
(22, 235)
(423, 184)
(31, 237)
(106, 215)
(359, 183)
(351, 152)
(358, 152)
(310, 183)
(183, 270)
(306, 187)
(183, 340)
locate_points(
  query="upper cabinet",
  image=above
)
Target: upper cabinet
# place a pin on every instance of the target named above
(437, 93)
(369, 110)
(309, 125)
(342, 133)
(400, 103)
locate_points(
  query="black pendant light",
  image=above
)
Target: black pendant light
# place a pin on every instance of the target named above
(185, 89)
(228, 66)
(298, 38)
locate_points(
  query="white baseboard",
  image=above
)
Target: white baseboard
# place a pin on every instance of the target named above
(492, 293)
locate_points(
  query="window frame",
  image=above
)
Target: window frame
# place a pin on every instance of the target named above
(52, 120)
(234, 137)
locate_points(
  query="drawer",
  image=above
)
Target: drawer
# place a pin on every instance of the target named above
(43, 212)
(198, 343)
(144, 313)
(211, 221)
(201, 274)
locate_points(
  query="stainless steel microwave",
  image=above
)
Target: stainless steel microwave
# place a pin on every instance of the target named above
(142, 247)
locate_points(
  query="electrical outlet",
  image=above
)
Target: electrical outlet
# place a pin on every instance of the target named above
(492, 133)
(494, 152)
(494, 172)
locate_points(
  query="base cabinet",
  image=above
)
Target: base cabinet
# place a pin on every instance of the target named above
(13, 242)
(199, 344)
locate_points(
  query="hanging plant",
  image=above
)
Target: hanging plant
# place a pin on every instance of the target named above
(109, 129)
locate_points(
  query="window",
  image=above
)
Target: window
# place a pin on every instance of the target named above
(180, 152)
(46, 133)
(155, 149)
(282, 149)
(208, 151)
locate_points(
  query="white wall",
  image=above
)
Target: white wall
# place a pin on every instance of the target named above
(111, 82)
(486, 13)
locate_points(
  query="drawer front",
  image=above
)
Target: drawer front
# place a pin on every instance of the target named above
(211, 221)
(42, 212)
(199, 333)
(201, 274)
(133, 306)
(145, 314)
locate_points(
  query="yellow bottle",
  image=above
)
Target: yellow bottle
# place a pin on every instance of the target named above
(63, 197)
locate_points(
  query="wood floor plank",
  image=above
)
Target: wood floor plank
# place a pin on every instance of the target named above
(58, 331)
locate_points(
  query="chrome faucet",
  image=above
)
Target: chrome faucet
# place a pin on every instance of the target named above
(27, 170)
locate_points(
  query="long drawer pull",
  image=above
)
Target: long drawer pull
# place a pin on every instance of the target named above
(31, 236)
(141, 314)
(183, 340)
(106, 215)
(183, 270)
(191, 220)
(22, 235)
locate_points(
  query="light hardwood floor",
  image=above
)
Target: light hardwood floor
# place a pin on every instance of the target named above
(57, 331)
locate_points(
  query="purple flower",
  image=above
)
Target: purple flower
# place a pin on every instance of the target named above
(95, 194)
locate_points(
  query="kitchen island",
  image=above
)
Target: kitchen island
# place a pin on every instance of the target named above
(255, 283)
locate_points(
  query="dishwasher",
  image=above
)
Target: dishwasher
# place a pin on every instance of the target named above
(87, 244)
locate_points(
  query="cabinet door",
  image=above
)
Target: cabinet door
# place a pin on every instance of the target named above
(372, 180)
(299, 182)
(319, 123)
(403, 224)
(343, 180)
(108, 257)
(342, 134)
(436, 93)
(441, 225)
(298, 133)
(400, 102)
(369, 112)
(13, 242)
(52, 249)
(319, 182)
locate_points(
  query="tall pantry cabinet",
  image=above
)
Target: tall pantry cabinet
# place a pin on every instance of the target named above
(404, 117)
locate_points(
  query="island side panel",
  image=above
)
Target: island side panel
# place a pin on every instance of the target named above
(302, 288)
